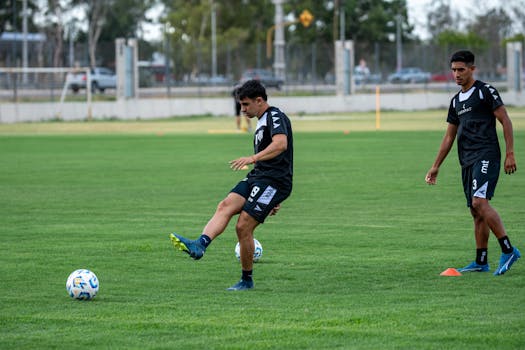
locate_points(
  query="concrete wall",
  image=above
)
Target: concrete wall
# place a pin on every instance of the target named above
(165, 108)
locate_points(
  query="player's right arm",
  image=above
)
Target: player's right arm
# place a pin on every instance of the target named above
(444, 149)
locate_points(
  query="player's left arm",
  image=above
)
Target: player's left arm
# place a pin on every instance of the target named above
(503, 117)
(278, 145)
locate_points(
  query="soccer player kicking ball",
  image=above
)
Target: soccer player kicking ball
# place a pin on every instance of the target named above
(472, 118)
(263, 190)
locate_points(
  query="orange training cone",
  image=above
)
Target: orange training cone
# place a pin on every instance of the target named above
(450, 272)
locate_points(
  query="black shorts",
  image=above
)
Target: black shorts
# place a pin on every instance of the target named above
(480, 179)
(261, 197)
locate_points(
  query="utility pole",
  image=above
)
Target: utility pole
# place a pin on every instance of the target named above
(213, 40)
(342, 22)
(279, 63)
(399, 44)
(24, 40)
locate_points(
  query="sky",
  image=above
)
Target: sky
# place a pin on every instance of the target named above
(417, 11)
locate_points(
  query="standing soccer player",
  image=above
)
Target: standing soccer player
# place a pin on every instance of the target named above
(263, 190)
(472, 118)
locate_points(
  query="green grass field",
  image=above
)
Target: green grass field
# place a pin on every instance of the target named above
(352, 260)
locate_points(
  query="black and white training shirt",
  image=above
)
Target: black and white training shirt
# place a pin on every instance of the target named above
(280, 168)
(473, 112)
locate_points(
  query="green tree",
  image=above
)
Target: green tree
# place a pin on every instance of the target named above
(108, 20)
(441, 17)
(241, 26)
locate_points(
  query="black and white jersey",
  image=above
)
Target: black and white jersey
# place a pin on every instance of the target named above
(473, 112)
(280, 168)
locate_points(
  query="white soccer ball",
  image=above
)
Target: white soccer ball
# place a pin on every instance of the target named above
(82, 285)
(257, 253)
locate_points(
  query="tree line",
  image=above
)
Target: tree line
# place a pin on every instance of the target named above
(245, 23)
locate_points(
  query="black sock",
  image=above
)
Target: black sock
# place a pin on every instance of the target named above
(205, 240)
(481, 256)
(247, 275)
(506, 247)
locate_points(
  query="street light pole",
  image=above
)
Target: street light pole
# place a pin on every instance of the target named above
(213, 40)
(399, 44)
(24, 40)
(279, 63)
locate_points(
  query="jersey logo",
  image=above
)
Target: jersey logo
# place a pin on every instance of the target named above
(464, 110)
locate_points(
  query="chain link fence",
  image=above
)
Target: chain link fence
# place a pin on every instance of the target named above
(310, 64)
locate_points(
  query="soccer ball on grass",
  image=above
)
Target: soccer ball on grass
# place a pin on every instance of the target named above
(82, 285)
(257, 253)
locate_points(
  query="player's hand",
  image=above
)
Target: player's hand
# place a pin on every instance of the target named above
(275, 209)
(431, 177)
(241, 163)
(510, 163)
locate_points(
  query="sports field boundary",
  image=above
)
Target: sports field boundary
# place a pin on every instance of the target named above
(145, 109)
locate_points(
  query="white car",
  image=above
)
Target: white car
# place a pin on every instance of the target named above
(101, 79)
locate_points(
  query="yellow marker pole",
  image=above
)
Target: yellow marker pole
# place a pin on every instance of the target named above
(378, 108)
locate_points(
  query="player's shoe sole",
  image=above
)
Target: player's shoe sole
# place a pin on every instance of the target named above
(474, 267)
(192, 248)
(241, 285)
(506, 261)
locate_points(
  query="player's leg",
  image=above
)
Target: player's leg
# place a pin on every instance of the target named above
(481, 235)
(489, 217)
(238, 122)
(481, 229)
(245, 227)
(509, 254)
(226, 209)
(263, 198)
(485, 178)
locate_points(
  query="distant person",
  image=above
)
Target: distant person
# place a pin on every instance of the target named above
(362, 68)
(261, 192)
(237, 106)
(472, 118)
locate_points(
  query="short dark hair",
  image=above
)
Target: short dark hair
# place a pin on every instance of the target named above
(463, 56)
(252, 89)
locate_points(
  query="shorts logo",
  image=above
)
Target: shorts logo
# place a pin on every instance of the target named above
(484, 166)
(267, 195)
(482, 191)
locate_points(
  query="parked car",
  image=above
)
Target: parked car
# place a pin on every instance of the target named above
(409, 75)
(266, 77)
(442, 77)
(101, 79)
(205, 79)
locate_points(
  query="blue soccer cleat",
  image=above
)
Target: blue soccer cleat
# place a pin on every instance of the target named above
(506, 261)
(475, 267)
(241, 285)
(194, 248)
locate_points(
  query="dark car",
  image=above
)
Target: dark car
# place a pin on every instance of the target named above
(266, 77)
